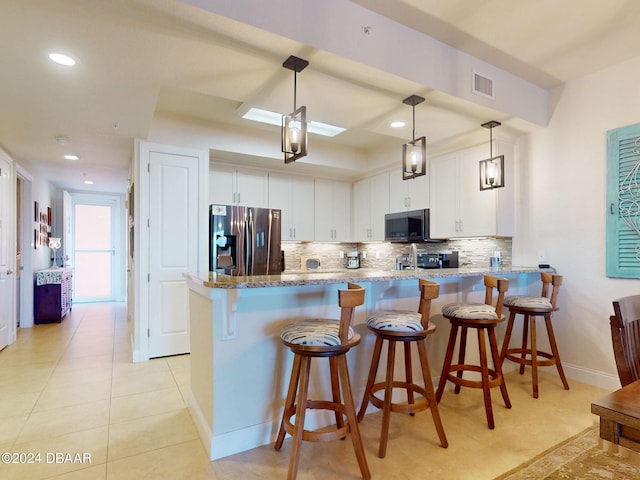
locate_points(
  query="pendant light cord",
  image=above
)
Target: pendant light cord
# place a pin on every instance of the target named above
(295, 76)
(413, 132)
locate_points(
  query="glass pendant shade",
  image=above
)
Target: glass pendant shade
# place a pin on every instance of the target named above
(294, 135)
(414, 158)
(491, 169)
(492, 173)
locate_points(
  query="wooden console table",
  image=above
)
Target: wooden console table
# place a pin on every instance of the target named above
(620, 416)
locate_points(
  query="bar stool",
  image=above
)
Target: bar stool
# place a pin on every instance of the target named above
(406, 327)
(483, 317)
(531, 308)
(316, 338)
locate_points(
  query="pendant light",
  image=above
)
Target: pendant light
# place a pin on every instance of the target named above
(294, 125)
(491, 169)
(414, 153)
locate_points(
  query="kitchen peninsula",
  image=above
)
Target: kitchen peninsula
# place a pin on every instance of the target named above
(239, 367)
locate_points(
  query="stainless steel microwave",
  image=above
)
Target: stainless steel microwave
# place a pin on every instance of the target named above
(407, 227)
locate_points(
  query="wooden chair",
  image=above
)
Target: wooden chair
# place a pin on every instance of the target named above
(332, 339)
(408, 328)
(483, 317)
(531, 308)
(625, 333)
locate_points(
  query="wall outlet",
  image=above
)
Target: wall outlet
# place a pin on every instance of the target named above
(341, 254)
(364, 254)
(541, 256)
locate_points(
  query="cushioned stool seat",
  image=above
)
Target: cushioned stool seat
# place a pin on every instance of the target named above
(482, 317)
(532, 307)
(322, 338)
(321, 332)
(409, 328)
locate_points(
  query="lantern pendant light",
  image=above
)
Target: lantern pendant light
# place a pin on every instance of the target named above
(491, 169)
(414, 153)
(294, 125)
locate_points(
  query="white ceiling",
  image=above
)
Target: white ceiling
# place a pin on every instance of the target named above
(136, 57)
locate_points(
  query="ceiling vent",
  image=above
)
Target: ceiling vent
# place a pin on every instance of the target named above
(482, 85)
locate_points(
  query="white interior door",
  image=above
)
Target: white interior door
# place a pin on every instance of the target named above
(173, 249)
(7, 253)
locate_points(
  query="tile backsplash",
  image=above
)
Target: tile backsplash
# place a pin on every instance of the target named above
(382, 255)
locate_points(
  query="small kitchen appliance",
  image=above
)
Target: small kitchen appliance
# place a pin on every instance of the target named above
(353, 260)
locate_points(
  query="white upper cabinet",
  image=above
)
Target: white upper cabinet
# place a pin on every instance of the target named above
(405, 195)
(458, 207)
(229, 185)
(294, 196)
(370, 204)
(332, 207)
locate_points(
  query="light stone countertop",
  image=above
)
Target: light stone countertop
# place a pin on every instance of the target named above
(287, 279)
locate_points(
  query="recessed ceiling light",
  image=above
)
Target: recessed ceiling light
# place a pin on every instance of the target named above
(62, 59)
(71, 157)
(88, 182)
(273, 118)
(397, 124)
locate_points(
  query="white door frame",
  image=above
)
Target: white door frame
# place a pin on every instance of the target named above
(140, 263)
(117, 236)
(9, 247)
(26, 274)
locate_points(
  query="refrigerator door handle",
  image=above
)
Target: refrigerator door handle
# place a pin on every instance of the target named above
(249, 247)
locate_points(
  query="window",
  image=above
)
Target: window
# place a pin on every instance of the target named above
(623, 202)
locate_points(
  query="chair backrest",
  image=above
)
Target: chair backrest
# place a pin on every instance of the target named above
(348, 300)
(555, 281)
(428, 291)
(625, 334)
(499, 284)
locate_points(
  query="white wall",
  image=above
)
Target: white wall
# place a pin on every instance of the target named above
(561, 210)
(43, 193)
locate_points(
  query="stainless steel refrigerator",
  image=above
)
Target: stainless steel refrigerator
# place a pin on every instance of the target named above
(244, 240)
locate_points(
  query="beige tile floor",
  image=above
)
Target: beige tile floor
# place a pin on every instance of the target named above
(71, 388)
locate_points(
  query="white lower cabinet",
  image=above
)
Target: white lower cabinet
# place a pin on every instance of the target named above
(294, 196)
(332, 211)
(370, 204)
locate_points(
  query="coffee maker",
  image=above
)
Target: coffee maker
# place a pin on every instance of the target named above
(353, 260)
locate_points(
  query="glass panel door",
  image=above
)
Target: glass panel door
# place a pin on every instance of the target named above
(94, 252)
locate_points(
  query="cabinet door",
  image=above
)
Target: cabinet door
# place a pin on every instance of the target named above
(222, 185)
(280, 198)
(252, 188)
(477, 209)
(362, 210)
(302, 208)
(323, 210)
(341, 211)
(407, 195)
(379, 202)
(443, 198)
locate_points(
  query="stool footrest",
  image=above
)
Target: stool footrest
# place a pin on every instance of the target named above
(495, 379)
(419, 404)
(325, 434)
(512, 352)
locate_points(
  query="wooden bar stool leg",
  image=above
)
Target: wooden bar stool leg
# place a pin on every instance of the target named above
(484, 372)
(507, 337)
(388, 394)
(554, 350)
(408, 373)
(301, 408)
(525, 338)
(335, 389)
(430, 394)
(350, 411)
(461, 354)
(291, 398)
(446, 367)
(493, 344)
(534, 357)
(373, 370)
